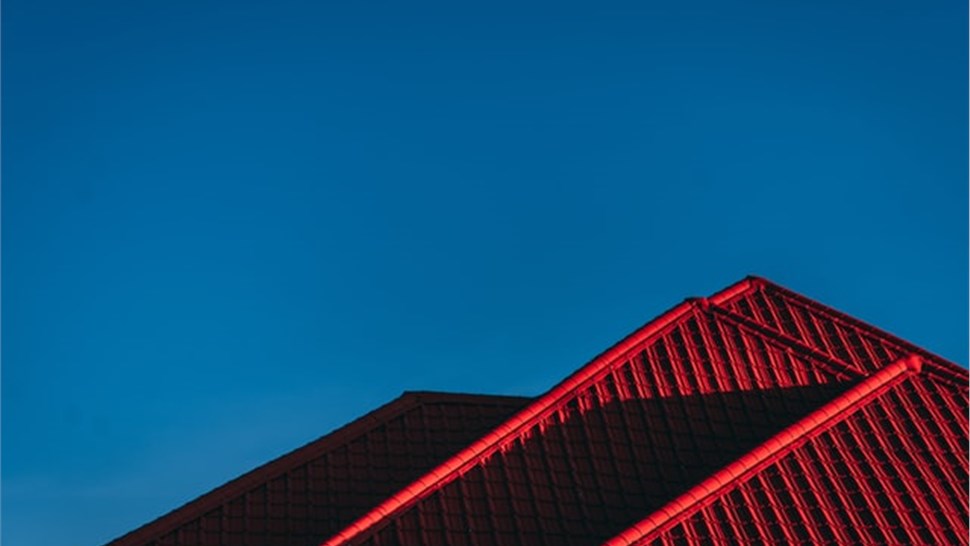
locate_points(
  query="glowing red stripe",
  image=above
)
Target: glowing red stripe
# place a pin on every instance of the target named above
(521, 421)
(765, 454)
(730, 292)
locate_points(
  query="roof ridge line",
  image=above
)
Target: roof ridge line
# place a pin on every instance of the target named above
(523, 419)
(837, 365)
(933, 359)
(768, 452)
(938, 367)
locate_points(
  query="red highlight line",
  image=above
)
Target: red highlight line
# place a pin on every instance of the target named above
(765, 454)
(521, 421)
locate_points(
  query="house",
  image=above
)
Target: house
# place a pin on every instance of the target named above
(755, 415)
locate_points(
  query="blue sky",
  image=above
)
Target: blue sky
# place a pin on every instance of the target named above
(229, 228)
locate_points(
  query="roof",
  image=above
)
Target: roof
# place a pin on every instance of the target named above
(754, 415)
(689, 394)
(313, 491)
(865, 468)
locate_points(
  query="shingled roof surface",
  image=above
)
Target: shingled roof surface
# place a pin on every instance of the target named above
(755, 415)
(306, 495)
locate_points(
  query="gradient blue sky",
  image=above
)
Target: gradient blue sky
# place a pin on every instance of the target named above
(230, 227)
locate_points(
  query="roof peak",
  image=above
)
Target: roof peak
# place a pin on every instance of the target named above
(587, 374)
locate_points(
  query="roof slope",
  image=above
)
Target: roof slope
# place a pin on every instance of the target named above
(652, 416)
(861, 346)
(885, 463)
(312, 492)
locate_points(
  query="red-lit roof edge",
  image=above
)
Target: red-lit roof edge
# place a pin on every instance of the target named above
(768, 452)
(534, 411)
(936, 365)
(316, 448)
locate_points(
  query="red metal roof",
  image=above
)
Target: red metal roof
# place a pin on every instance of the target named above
(315, 490)
(755, 415)
(865, 468)
(679, 401)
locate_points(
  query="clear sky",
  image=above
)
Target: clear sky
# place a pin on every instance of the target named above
(229, 228)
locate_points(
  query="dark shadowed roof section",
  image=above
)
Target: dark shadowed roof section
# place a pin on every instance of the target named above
(657, 415)
(885, 463)
(755, 415)
(312, 492)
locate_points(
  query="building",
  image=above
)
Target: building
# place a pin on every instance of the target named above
(753, 416)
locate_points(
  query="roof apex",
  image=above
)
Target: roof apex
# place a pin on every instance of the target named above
(528, 415)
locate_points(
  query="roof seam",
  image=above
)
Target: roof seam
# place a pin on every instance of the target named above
(935, 366)
(838, 316)
(833, 364)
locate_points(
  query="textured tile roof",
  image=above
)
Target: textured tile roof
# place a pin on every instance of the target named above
(680, 399)
(312, 492)
(753, 416)
(876, 465)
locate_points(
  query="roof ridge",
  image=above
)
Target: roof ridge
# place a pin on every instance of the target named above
(937, 367)
(838, 365)
(525, 417)
(945, 366)
(768, 452)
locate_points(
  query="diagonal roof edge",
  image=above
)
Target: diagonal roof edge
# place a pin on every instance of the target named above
(830, 363)
(936, 365)
(526, 417)
(226, 492)
(768, 452)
